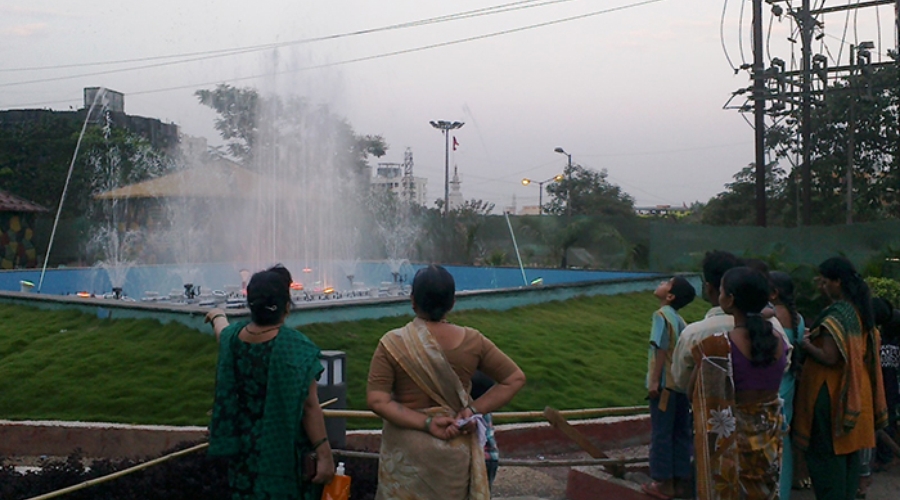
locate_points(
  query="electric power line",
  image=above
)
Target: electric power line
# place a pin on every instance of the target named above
(252, 48)
(722, 37)
(388, 54)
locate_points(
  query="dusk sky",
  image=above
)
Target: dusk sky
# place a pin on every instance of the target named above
(638, 91)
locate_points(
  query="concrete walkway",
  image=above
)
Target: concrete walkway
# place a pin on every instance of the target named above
(521, 483)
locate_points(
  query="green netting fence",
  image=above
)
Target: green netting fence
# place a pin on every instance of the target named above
(682, 246)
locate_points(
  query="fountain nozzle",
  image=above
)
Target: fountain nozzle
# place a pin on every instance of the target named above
(117, 292)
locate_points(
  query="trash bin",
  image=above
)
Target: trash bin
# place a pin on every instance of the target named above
(333, 384)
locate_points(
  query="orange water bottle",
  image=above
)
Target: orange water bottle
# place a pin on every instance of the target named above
(339, 487)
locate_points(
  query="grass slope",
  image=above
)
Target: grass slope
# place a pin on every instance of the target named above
(580, 353)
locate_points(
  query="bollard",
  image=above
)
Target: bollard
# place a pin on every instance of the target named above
(333, 384)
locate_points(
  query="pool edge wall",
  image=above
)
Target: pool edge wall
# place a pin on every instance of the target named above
(342, 310)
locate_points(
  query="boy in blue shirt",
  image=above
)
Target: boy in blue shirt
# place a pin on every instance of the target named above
(670, 419)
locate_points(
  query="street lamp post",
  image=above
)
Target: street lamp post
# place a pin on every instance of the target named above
(446, 127)
(526, 181)
(568, 181)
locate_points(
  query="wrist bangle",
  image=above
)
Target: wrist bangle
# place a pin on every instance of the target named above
(320, 443)
(428, 424)
(216, 316)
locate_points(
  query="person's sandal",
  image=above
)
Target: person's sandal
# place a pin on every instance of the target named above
(653, 489)
(864, 483)
(802, 484)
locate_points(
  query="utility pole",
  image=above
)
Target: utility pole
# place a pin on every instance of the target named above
(759, 112)
(851, 136)
(568, 182)
(810, 29)
(806, 30)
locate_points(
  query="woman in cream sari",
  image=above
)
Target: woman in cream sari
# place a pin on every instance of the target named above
(419, 384)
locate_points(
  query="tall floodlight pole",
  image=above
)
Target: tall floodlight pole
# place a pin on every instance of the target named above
(759, 112)
(568, 182)
(445, 127)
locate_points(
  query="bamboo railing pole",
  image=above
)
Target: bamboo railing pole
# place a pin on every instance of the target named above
(115, 475)
(124, 472)
(514, 462)
(582, 413)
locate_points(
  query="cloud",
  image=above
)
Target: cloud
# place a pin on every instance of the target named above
(31, 11)
(25, 30)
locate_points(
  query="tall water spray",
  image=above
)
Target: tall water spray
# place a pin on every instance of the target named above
(118, 241)
(306, 207)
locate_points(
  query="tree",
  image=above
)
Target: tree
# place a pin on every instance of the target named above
(35, 157)
(591, 232)
(589, 193)
(250, 123)
(457, 236)
(736, 206)
(237, 121)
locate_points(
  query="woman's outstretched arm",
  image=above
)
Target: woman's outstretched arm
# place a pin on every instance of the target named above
(219, 321)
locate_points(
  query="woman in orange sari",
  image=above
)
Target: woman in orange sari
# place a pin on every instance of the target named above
(737, 411)
(840, 399)
(419, 383)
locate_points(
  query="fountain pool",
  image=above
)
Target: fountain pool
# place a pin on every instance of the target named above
(477, 288)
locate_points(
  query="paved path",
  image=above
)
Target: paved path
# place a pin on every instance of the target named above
(521, 483)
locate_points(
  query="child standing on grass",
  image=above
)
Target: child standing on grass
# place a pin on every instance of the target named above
(670, 419)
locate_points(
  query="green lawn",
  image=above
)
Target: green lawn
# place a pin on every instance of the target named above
(61, 365)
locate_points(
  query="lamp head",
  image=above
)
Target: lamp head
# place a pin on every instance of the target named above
(526, 181)
(559, 177)
(560, 150)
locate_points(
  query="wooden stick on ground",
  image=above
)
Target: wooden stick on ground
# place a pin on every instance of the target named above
(559, 422)
(885, 438)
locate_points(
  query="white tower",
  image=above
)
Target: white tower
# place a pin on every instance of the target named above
(456, 197)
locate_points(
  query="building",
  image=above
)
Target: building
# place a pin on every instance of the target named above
(398, 178)
(455, 198)
(162, 136)
(17, 216)
(662, 211)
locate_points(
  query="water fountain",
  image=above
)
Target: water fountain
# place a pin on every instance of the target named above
(300, 200)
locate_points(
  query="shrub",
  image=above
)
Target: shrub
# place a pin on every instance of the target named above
(885, 288)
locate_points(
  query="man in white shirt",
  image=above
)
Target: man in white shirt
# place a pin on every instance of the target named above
(715, 264)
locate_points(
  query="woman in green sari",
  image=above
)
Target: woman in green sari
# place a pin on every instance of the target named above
(840, 398)
(266, 412)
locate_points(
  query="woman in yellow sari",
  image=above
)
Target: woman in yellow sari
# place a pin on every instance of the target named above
(419, 382)
(840, 399)
(737, 411)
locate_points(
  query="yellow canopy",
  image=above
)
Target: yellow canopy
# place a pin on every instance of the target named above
(218, 178)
